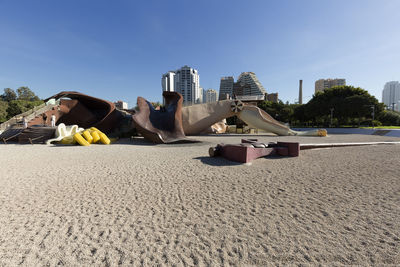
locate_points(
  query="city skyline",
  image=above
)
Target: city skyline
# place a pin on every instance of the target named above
(118, 51)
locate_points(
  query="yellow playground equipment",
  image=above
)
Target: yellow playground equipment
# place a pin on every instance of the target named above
(87, 137)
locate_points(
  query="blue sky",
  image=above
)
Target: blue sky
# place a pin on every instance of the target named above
(119, 49)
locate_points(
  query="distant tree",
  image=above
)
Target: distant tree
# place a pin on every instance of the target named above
(16, 107)
(390, 118)
(350, 105)
(24, 93)
(3, 111)
(156, 104)
(299, 117)
(279, 111)
(359, 107)
(8, 95)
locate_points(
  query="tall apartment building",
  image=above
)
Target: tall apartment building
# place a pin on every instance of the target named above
(121, 104)
(239, 89)
(168, 81)
(210, 96)
(225, 87)
(203, 92)
(391, 95)
(185, 81)
(251, 85)
(323, 84)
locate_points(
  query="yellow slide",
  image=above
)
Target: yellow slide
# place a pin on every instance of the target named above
(87, 137)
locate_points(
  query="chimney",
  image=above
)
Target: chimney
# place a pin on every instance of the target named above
(301, 92)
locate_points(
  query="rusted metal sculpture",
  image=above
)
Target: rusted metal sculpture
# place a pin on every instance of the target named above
(173, 122)
(198, 118)
(86, 111)
(250, 149)
(163, 125)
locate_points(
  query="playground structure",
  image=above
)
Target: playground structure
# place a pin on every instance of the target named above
(169, 124)
(197, 118)
(163, 125)
(174, 122)
(85, 111)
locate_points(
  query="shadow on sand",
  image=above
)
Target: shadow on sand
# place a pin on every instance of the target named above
(143, 142)
(218, 161)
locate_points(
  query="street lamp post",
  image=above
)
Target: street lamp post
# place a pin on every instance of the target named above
(332, 109)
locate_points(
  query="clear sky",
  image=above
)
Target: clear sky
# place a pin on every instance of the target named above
(118, 50)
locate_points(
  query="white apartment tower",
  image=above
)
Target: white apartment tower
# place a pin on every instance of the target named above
(254, 87)
(168, 81)
(121, 104)
(226, 87)
(186, 82)
(391, 95)
(211, 96)
(323, 84)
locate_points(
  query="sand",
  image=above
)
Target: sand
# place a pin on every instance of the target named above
(134, 203)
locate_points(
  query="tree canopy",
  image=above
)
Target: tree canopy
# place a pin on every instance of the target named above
(279, 111)
(347, 104)
(12, 103)
(389, 117)
(24, 93)
(8, 95)
(3, 111)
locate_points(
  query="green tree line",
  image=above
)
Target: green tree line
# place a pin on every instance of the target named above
(337, 106)
(16, 102)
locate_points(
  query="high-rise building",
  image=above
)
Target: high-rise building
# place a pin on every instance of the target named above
(168, 81)
(226, 87)
(254, 87)
(272, 97)
(323, 84)
(121, 104)
(391, 95)
(211, 96)
(239, 89)
(185, 81)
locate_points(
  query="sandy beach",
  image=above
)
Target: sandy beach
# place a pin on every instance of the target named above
(134, 203)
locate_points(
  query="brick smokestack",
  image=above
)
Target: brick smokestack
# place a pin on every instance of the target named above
(301, 92)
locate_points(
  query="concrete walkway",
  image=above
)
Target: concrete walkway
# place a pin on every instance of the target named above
(378, 131)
